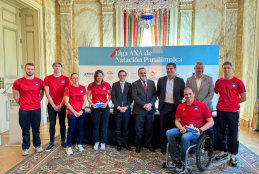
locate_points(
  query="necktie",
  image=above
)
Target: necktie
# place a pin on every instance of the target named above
(145, 87)
(122, 86)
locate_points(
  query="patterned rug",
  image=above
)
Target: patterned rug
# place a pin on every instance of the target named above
(111, 161)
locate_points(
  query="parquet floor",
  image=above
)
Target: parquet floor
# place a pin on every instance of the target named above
(10, 156)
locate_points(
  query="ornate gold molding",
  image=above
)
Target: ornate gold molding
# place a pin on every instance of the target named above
(86, 1)
(87, 9)
(65, 6)
(186, 5)
(208, 6)
(232, 4)
(107, 5)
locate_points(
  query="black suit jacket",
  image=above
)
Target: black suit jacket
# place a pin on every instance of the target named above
(118, 97)
(178, 92)
(141, 98)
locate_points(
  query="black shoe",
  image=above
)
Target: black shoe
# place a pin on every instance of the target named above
(119, 148)
(174, 164)
(127, 146)
(221, 155)
(163, 150)
(63, 144)
(233, 160)
(138, 148)
(180, 167)
(151, 149)
(50, 147)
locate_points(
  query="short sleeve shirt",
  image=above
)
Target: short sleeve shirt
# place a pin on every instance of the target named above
(76, 97)
(57, 87)
(99, 92)
(194, 114)
(29, 91)
(229, 90)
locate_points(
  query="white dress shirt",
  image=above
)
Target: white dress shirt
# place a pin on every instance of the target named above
(169, 94)
(198, 82)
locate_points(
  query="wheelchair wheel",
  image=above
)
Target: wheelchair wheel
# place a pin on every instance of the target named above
(204, 152)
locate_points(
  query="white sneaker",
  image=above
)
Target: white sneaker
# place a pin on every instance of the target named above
(39, 149)
(80, 148)
(102, 146)
(69, 151)
(96, 146)
(233, 160)
(25, 152)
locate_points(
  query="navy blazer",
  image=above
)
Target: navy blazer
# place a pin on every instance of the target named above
(178, 91)
(118, 97)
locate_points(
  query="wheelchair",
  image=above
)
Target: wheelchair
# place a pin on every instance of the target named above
(204, 151)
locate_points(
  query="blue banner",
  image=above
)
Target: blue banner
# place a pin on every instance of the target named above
(146, 56)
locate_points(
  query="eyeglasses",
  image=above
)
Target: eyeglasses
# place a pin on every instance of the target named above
(143, 73)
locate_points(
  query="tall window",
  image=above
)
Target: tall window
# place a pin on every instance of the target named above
(146, 40)
(158, 35)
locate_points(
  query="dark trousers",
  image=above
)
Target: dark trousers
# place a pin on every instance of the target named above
(167, 121)
(27, 120)
(52, 122)
(75, 123)
(230, 119)
(122, 124)
(96, 117)
(140, 121)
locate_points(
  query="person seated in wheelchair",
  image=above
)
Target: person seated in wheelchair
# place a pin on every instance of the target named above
(190, 112)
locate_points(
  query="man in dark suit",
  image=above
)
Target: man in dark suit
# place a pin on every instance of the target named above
(122, 99)
(170, 94)
(144, 96)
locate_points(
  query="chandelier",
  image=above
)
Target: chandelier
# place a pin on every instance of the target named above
(145, 9)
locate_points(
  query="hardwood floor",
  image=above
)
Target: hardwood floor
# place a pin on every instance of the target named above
(10, 156)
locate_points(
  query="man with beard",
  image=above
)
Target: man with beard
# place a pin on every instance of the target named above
(28, 92)
(54, 86)
(144, 96)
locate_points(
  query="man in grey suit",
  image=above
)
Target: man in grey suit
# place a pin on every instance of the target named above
(122, 99)
(144, 96)
(203, 88)
(170, 91)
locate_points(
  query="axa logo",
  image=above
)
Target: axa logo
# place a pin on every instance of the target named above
(114, 52)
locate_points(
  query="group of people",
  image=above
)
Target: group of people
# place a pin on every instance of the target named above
(174, 115)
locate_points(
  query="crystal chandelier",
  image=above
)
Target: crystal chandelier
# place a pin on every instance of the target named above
(145, 9)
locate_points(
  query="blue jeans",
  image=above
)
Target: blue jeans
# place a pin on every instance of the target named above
(96, 117)
(185, 139)
(75, 123)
